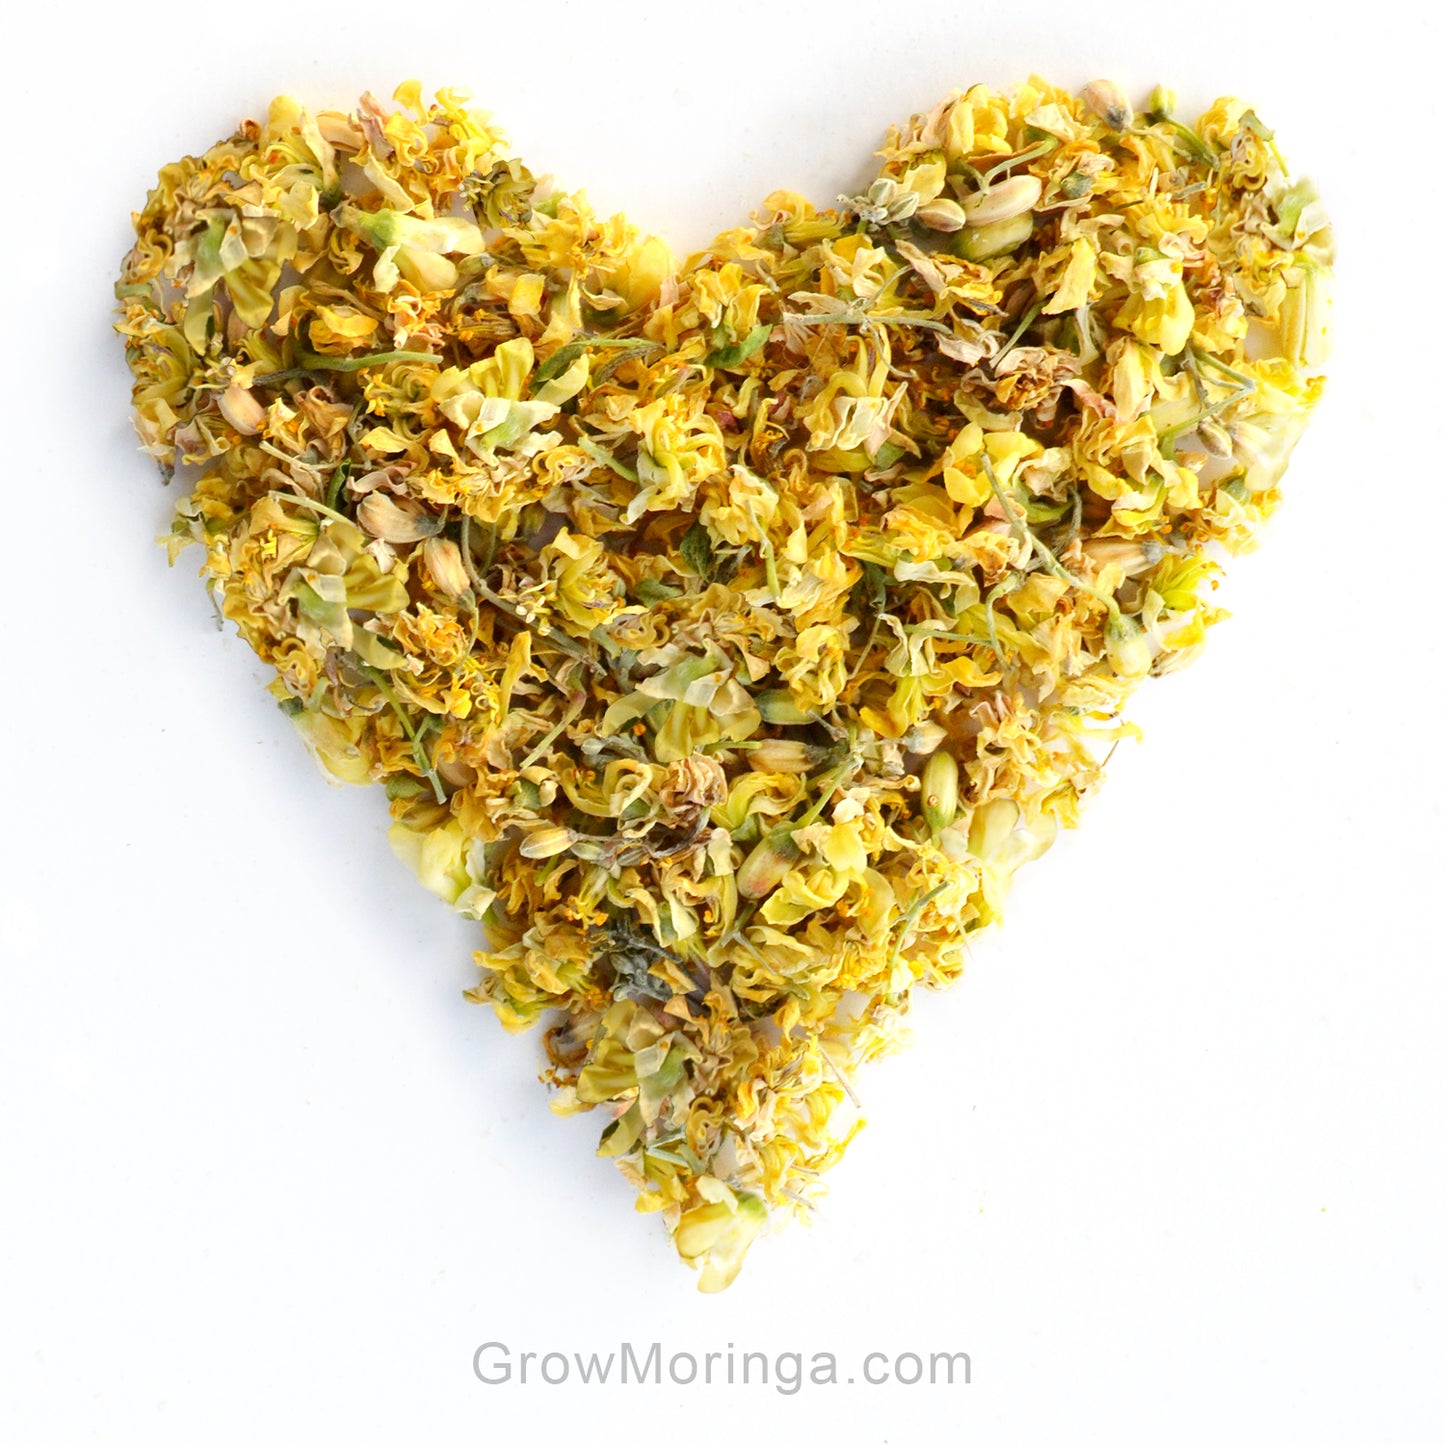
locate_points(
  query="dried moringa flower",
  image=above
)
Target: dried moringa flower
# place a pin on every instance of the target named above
(725, 636)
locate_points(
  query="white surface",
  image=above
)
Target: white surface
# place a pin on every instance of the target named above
(1167, 1164)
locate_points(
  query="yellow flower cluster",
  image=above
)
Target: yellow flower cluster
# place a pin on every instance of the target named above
(725, 635)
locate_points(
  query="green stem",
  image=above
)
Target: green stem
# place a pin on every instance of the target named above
(418, 751)
(911, 917)
(735, 934)
(854, 316)
(309, 362)
(469, 564)
(994, 593)
(1245, 383)
(1035, 547)
(972, 171)
(468, 560)
(1041, 148)
(566, 354)
(838, 1074)
(552, 637)
(1245, 386)
(867, 647)
(554, 733)
(559, 640)
(1076, 518)
(601, 454)
(968, 637)
(1194, 144)
(1166, 438)
(301, 501)
(1029, 318)
(770, 561)
(832, 780)
(338, 480)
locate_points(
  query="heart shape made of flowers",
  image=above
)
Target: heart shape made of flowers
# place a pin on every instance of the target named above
(725, 635)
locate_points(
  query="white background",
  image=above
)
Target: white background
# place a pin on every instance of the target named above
(1167, 1163)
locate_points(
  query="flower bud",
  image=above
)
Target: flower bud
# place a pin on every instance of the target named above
(546, 842)
(940, 790)
(1130, 556)
(779, 709)
(396, 521)
(979, 243)
(941, 215)
(1214, 439)
(991, 823)
(1127, 645)
(1003, 201)
(782, 755)
(923, 738)
(1163, 102)
(443, 560)
(768, 864)
(1109, 103)
(242, 410)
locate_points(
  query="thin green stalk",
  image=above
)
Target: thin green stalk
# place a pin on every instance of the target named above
(994, 593)
(565, 355)
(855, 316)
(838, 1074)
(1041, 148)
(911, 917)
(833, 780)
(765, 547)
(1194, 144)
(321, 507)
(552, 637)
(310, 362)
(1034, 546)
(968, 637)
(418, 750)
(338, 480)
(559, 640)
(1166, 438)
(601, 454)
(1244, 386)
(469, 564)
(867, 647)
(1029, 318)
(554, 733)
(1245, 383)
